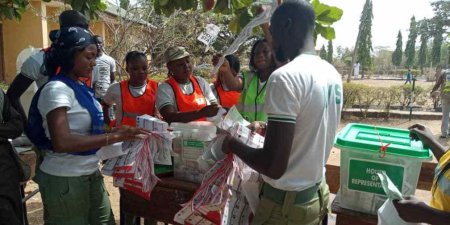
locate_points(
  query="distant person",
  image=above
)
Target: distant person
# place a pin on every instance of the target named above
(408, 77)
(356, 70)
(104, 71)
(442, 88)
(11, 126)
(438, 73)
(33, 69)
(437, 212)
(225, 97)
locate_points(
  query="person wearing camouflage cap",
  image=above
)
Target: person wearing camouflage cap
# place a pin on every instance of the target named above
(184, 97)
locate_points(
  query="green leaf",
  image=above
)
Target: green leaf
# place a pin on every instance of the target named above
(326, 32)
(239, 4)
(330, 15)
(233, 26)
(319, 8)
(244, 18)
(78, 5)
(222, 7)
(103, 5)
(163, 2)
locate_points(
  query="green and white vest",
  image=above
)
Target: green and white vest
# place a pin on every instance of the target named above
(251, 102)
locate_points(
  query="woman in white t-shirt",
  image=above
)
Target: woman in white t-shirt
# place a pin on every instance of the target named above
(66, 122)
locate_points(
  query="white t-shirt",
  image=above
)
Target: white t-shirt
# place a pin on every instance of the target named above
(114, 96)
(101, 79)
(308, 93)
(31, 68)
(54, 95)
(165, 95)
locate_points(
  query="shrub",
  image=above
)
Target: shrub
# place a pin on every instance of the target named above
(365, 96)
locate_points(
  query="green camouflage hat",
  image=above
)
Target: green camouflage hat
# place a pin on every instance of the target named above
(174, 53)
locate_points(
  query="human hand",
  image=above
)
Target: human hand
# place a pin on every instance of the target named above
(225, 67)
(226, 144)
(209, 110)
(258, 127)
(422, 133)
(411, 209)
(127, 133)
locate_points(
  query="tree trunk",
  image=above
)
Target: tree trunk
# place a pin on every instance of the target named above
(350, 75)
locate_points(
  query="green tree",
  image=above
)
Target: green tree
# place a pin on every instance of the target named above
(364, 43)
(441, 22)
(330, 51)
(424, 33)
(14, 9)
(323, 52)
(241, 12)
(437, 43)
(410, 49)
(398, 53)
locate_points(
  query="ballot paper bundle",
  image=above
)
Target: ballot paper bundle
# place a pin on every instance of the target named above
(151, 123)
(161, 140)
(134, 170)
(229, 191)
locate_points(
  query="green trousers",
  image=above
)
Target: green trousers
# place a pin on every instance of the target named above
(81, 200)
(294, 209)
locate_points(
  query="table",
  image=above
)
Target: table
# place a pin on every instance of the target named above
(165, 202)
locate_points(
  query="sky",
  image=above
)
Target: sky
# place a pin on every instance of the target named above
(389, 16)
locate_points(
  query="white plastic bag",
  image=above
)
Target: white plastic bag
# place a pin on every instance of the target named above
(387, 215)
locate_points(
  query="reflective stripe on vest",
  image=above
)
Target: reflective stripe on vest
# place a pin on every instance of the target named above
(136, 106)
(226, 99)
(251, 102)
(188, 103)
(447, 84)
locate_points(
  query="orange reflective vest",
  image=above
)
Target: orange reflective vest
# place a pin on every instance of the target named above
(136, 106)
(227, 99)
(86, 80)
(191, 102)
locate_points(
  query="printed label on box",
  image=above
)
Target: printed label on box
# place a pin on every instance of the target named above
(362, 176)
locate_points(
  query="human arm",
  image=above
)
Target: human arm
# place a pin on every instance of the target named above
(112, 76)
(231, 81)
(282, 106)
(267, 34)
(106, 116)
(64, 141)
(413, 210)
(111, 97)
(166, 103)
(273, 158)
(12, 125)
(19, 85)
(170, 114)
(423, 133)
